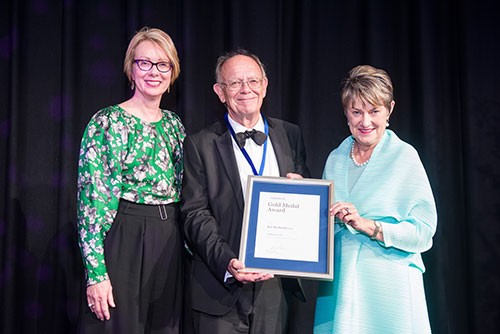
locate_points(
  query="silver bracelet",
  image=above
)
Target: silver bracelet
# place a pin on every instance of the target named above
(377, 229)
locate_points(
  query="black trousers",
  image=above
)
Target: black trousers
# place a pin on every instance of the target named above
(261, 308)
(143, 252)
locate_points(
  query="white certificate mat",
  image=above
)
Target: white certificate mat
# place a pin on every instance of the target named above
(287, 223)
(287, 229)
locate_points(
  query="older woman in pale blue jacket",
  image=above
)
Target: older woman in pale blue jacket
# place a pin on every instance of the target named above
(386, 217)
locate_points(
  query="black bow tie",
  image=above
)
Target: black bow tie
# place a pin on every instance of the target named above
(258, 137)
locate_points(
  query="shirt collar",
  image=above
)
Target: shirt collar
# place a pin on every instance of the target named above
(237, 127)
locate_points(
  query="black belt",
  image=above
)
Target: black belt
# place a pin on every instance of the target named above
(162, 211)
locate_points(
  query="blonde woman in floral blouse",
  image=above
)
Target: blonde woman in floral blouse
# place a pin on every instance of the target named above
(129, 180)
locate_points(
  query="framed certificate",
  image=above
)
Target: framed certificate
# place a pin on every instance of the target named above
(286, 228)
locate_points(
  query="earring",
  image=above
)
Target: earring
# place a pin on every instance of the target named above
(132, 85)
(348, 124)
(387, 124)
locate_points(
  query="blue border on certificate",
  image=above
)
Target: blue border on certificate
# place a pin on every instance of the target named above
(319, 267)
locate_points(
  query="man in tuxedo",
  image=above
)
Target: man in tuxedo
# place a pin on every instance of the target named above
(217, 163)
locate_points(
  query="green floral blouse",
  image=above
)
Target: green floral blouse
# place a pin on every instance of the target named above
(122, 156)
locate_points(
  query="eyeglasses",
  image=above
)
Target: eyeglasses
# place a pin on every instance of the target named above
(146, 65)
(237, 84)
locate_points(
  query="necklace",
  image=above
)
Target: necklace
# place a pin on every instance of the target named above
(354, 159)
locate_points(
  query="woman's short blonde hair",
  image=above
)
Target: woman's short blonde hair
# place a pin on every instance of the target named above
(162, 40)
(369, 84)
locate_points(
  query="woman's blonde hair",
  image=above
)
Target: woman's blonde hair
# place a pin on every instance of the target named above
(162, 40)
(369, 84)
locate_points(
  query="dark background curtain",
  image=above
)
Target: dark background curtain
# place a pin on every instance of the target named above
(61, 61)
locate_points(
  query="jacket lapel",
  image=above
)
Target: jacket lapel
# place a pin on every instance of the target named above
(224, 146)
(281, 148)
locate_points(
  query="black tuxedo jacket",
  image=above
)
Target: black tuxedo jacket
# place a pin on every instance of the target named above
(212, 206)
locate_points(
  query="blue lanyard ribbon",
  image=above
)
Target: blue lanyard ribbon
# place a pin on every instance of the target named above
(245, 153)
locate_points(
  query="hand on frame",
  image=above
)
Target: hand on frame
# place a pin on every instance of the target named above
(349, 215)
(236, 268)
